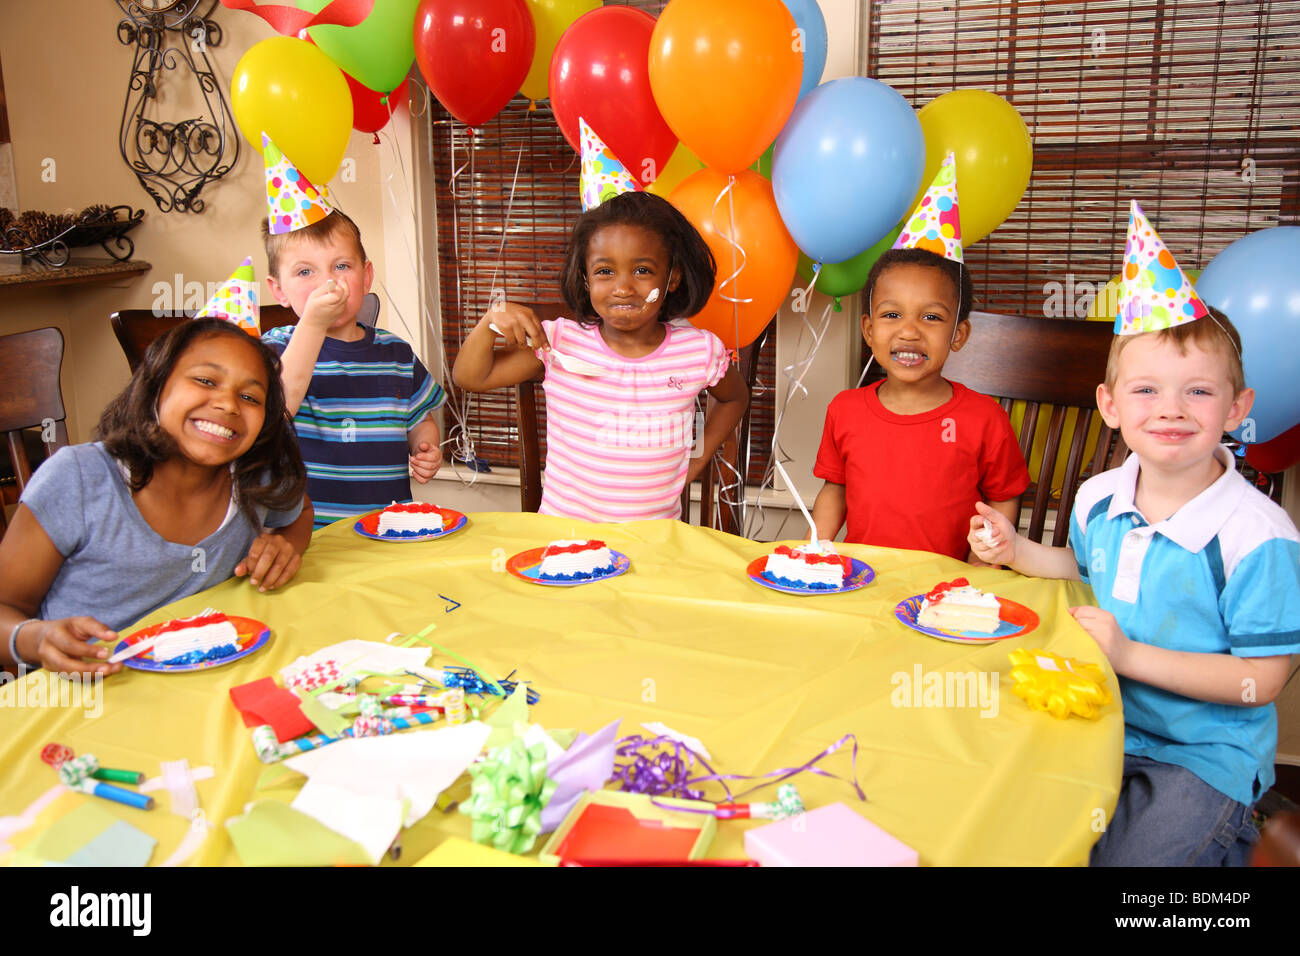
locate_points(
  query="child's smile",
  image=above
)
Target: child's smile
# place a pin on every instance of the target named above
(911, 328)
(214, 403)
(628, 277)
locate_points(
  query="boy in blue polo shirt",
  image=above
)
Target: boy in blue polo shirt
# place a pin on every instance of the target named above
(1197, 575)
(363, 402)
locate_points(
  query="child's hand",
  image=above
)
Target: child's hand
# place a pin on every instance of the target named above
(271, 561)
(62, 643)
(517, 324)
(325, 305)
(426, 462)
(997, 545)
(1104, 629)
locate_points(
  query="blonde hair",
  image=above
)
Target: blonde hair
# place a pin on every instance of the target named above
(321, 231)
(1213, 334)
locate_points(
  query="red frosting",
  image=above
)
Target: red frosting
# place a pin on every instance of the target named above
(572, 548)
(203, 620)
(940, 589)
(415, 507)
(806, 558)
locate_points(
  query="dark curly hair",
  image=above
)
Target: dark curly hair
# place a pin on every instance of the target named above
(270, 473)
(687, 251)
(957, 273)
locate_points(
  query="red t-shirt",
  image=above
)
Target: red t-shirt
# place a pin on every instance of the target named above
(911, 481)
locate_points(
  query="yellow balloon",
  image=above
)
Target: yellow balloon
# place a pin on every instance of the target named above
(681, 164)
(550, 19)
(294, 92)
(994, 156)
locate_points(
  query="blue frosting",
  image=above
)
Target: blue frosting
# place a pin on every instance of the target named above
(801, 585)
(577, 576)
(408, 534)
(197, 657)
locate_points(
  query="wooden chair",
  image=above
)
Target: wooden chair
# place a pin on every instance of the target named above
(30, 397)
(530, 457)
(136, 329)
(1059, 362)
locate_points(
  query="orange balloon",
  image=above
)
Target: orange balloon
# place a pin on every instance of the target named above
(765, 270)
(725, 75)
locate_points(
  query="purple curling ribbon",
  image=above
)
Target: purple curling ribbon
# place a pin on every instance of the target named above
(668, 772)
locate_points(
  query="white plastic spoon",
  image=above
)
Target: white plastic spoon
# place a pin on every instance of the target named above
(575, 365)
(794, 492)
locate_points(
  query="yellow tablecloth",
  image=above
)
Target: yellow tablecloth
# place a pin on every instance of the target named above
(764, 679)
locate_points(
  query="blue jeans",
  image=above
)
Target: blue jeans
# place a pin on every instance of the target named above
(1168, 816)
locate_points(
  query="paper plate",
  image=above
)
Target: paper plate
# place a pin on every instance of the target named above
(860, 575)
(1016, 619)
(253, 636)
(527, 566)
(368, 527)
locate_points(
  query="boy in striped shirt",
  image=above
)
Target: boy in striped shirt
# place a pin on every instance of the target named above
(363, 401)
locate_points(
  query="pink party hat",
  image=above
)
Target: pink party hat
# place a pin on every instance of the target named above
(935, 224)
(1154, 294)
(236, 300)
(292, 201)
(603, 174)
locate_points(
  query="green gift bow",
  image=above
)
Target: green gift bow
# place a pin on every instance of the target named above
(506, 799)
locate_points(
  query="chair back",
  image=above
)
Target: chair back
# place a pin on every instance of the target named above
(30, 397)
(713, 511)
(136, 329)
(1051, 365)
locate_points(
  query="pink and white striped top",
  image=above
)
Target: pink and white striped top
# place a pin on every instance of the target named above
(618, 447)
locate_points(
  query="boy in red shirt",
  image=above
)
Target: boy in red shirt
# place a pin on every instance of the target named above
(906, 459)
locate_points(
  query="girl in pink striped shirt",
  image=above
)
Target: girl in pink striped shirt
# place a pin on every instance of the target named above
(620, 444)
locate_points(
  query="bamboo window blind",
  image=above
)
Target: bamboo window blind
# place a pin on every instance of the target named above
(506, 199)
(1192, 107)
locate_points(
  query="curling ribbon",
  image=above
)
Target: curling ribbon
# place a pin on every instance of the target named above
(669, 774)
(1059, 685)
(510, 789)
(290, 21)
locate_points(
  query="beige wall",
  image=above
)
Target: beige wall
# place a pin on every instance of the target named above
(65, 83)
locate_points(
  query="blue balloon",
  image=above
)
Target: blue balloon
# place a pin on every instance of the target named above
(1255, 283)
(812, 31)
(847, 166)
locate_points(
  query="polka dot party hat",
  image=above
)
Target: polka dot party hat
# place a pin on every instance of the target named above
(935, 224)
(603, 174)
(236, 300)
(292, 201)
(1154, 293)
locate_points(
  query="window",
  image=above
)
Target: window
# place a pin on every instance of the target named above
(506, 199)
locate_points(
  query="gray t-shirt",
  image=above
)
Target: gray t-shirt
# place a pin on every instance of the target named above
(116, 567)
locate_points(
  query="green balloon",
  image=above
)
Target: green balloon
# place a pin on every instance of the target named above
(763, 165)
(847, 277)
(378, 51)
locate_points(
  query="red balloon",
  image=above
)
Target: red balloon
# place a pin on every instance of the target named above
(601, 72)
(474, 54)
(370, 113)
(1277, 454)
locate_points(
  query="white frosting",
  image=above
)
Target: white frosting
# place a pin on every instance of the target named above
(796, 569)
(589, 561)
(419, 522)
(962, 609)
(190, 639)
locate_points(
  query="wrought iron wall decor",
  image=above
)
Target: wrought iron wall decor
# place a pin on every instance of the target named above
(174, 160)
(47, 237)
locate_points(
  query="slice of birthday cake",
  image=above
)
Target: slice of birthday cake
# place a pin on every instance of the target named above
(411, 518)
(190, 640)
(957, 606)
(575, 560)
(806, 567)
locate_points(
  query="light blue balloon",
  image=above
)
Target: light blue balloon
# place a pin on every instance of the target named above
(1255, 282)
(812, 25)
(847, 166)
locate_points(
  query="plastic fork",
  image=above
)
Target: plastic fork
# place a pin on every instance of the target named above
(575, 365)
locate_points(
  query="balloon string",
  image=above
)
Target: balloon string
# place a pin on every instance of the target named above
(505, 228)
(736, 247)
(794, 374)
(432, 317)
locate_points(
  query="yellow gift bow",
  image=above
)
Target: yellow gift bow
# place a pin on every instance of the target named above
(1059, 685)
